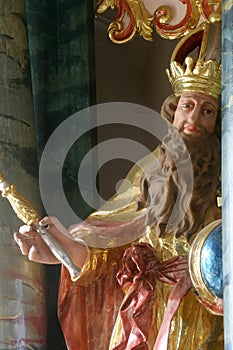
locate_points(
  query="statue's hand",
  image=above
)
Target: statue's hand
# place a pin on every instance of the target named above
(32, 244)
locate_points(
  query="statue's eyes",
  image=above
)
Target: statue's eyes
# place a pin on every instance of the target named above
(186, 105)
(208, 112)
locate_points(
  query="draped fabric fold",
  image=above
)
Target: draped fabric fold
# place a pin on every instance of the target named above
(95, 311)
(141, 268)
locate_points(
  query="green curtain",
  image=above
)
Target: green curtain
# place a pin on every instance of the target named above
(61, 46)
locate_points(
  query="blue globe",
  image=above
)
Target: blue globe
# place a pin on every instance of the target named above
(211, 262)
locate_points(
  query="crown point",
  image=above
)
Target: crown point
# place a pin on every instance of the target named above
(200, 74)
(189, 61)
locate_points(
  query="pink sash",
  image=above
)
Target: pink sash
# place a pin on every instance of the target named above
(138, 276)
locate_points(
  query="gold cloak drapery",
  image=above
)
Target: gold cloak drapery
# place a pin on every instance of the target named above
(88, 308)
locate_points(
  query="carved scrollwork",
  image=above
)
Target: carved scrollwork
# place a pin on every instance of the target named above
(170, 20)
(211, 10)
(132, 17)
(172, 31)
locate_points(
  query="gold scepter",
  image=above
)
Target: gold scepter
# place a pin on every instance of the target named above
(26, 212)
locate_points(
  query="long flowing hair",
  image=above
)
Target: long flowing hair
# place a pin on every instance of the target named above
(162, 187)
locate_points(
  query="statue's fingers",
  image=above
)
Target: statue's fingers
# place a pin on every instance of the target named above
(47, 220)
(41, 254)
(27, 231)
(33, 254)
(23, 243)
(51, 222)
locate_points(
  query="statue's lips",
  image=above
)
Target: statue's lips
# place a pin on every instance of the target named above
(191, 129)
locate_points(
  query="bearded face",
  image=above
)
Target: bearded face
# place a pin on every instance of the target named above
(196, 110)
(164, 188)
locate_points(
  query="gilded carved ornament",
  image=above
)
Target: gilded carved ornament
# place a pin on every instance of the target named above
(21, 206)
(171, 19)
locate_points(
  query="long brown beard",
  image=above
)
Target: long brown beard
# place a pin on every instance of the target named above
(166, 186)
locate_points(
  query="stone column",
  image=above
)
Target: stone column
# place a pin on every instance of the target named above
(227, 169)
(22, 285)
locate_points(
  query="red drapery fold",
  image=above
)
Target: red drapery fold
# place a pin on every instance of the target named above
(141, 268)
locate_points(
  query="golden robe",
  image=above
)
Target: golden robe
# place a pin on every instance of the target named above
(88, 308)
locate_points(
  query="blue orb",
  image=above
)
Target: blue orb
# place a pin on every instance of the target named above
(211, 262)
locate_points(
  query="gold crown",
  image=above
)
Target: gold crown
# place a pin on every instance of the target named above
(204, 73)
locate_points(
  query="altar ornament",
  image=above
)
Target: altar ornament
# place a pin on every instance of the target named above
(171, 20)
